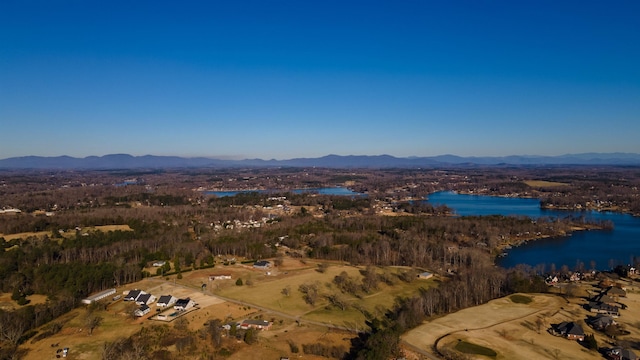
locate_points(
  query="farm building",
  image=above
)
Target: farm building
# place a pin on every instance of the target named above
(99, 296)
(222, 276)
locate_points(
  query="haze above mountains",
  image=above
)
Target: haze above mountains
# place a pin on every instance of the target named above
(125, 161)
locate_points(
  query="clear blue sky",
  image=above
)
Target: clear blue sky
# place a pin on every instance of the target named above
(284, 79)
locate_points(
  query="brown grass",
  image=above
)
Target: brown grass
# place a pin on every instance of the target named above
(544, 184)
(509, 328)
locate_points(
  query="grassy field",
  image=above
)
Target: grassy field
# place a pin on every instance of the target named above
(508, 327)
(266, 292)
(470, 348)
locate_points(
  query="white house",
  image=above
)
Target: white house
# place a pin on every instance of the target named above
(166, 301)
(145, 299)
(142, 311)
(184, 304)
(133, 295)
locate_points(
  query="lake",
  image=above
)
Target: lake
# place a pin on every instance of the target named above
(606, 248)
(340, 191)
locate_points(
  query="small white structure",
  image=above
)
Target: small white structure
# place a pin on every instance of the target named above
(166, 301)
(159, 263)
(99, 296)
(223, 276)
(184, 304)
(425, 275)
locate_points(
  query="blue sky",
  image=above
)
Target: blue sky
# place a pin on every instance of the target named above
(285, 79)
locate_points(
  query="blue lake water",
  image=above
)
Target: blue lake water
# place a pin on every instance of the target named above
(606, 248)
(341, 191)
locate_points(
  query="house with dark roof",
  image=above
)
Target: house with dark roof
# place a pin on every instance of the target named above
(133, 295)
(620, 353)
(262, 264)
(145, 299)
(615, 292)
(142, 311)
(602, 308)
(166, 301)
(601, 321)
(570, 330)
(184, 304)
(604, 298)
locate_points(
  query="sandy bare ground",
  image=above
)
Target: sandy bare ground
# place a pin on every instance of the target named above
(509, 329)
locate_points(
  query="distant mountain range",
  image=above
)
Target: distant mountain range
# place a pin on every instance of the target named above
(124, 161)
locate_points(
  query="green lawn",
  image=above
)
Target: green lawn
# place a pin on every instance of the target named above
(470, 348)
(520, 299)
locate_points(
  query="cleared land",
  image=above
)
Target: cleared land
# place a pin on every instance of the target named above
(66, 234)
(544, 184)
(293, 320)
